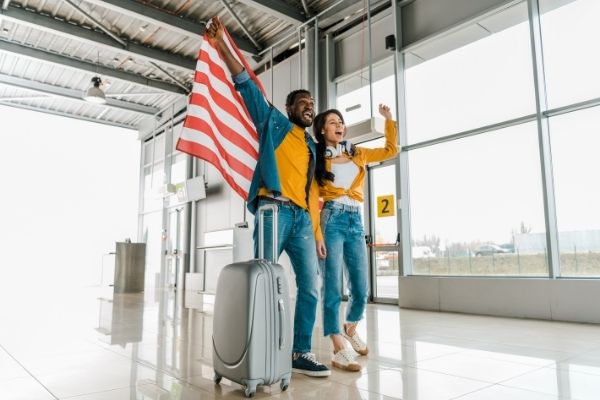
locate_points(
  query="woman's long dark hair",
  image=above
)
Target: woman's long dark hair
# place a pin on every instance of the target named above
(321, 173)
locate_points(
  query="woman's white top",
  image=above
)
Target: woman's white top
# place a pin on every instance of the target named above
(345, 174)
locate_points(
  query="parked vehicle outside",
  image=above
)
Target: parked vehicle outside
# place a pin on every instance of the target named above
(422, 252)
(490, 249)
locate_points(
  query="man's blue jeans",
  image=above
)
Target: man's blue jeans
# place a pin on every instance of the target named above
(345, 242)
(295, 236)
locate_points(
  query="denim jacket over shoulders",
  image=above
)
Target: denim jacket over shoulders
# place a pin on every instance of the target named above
(272, 127)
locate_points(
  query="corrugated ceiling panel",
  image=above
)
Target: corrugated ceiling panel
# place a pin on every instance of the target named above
(265, 28)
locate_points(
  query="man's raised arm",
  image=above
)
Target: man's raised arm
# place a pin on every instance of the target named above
(215, 35)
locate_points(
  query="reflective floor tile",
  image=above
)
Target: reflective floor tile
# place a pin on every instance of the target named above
(568, 384)
(475, 367)
(9, 368)
(498, 392)
(520, 354)
(414, 384)
(23, 389)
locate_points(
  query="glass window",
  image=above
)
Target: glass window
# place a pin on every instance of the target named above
(575, 143)
(570, 35)
(353, 93)
(179, 168)
(152, 235)
(153, 184)
(484, 82)
(476, 206)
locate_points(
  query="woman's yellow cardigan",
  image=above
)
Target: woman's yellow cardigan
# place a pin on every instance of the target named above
(361, 158)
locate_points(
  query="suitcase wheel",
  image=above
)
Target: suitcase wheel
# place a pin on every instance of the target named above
(284, 385)
(250, 386)
(217, 379)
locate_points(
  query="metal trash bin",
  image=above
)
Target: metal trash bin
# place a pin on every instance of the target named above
(130, 267)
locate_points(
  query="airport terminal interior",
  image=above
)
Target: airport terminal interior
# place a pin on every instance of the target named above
(482, 234)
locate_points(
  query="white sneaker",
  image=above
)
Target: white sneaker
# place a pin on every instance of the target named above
(344, 359)
(356, 342)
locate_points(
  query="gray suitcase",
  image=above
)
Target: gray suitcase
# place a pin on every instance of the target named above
(252, 335)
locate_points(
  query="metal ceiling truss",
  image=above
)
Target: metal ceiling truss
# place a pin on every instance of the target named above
(21, 98)
(306, 10)
(240, 23)
(98, 23)
(73, 94)
(64, 61)
(63, 29)
(167, 73)
(165, 20)
(277, 8)
(64, 114)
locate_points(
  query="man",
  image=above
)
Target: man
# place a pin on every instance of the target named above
(284, 176)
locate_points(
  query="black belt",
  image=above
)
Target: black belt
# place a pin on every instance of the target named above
(279, 201)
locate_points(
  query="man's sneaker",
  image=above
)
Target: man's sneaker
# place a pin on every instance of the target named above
(307, 364)
(344, 359)
(356, 342)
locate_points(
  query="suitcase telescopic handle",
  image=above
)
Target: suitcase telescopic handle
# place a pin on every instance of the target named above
(261, 230)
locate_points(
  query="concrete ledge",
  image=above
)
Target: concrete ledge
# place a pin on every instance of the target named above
(550, 299)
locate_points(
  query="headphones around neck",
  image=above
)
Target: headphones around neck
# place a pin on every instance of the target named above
(339, 149)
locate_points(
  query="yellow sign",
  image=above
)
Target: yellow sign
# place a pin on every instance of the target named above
(385, 206)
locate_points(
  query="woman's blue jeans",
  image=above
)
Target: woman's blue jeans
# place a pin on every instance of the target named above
(345, 242)
(296, 237)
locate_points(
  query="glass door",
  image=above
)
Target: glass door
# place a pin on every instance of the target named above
(381, 231)
(174, 248)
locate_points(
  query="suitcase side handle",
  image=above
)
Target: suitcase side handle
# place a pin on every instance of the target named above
(281, 323)
(261, 230)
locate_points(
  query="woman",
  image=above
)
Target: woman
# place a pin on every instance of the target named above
(340, 172)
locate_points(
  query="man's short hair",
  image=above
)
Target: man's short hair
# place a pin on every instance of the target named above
(291, 98)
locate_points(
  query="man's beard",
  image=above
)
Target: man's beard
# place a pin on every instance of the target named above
(297, 119)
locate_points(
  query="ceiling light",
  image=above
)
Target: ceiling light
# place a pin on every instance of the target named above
(94, 94)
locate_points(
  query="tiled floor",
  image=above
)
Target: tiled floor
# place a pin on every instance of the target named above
(91, 345)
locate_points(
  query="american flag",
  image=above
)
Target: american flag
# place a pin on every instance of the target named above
(217, 127)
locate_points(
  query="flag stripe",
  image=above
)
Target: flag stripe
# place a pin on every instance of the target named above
(234, 162)
(226, 126)
(231, 146)
(205, 76)
(207, 142)
(245, 128)
(218, 127)
(196, 148)
(240, 57)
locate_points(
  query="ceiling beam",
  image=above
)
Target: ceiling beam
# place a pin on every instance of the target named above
(241, 24)
(74, 32)
(73, 63)
(277, 8)
(72, 94)
(64, 114)
(165, 20)
(98, 23)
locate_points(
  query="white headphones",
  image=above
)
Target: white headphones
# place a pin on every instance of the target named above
(339, 149)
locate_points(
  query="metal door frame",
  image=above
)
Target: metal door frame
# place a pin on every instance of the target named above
(370, 231)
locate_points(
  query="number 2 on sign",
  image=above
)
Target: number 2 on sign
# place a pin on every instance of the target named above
(385, 206)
